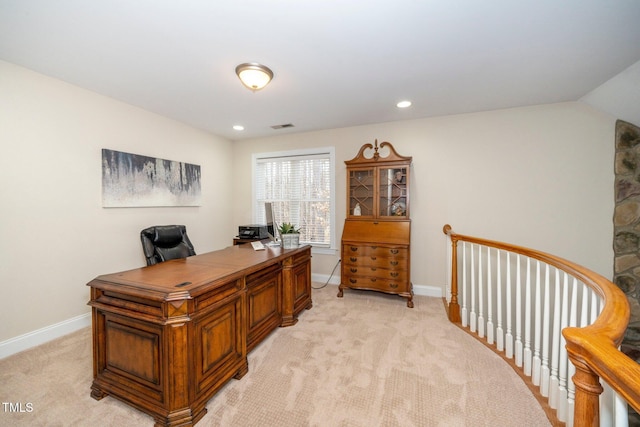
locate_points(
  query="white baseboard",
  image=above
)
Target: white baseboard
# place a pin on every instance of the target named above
(425, 290)
(428, 291)
(322, 278)
(43, 335)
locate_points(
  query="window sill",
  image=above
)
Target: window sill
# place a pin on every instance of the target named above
(323, 250)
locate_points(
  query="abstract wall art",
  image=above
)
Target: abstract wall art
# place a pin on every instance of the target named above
(132, 180)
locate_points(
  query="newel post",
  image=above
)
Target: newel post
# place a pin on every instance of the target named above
(588, 390)
(454, 307)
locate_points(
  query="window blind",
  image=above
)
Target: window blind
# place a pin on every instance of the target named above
(299, 189)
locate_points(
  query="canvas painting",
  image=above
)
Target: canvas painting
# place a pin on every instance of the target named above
(132, 180)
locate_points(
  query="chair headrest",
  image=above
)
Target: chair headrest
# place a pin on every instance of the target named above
(168, 236)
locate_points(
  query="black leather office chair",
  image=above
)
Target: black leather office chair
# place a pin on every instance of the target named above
(165, 242)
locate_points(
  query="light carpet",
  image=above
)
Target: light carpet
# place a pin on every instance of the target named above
(365, 360)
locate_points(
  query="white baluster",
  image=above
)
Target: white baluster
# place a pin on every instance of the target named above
(585, 296)
(535, 376)
(472, 314)
(490, 331)
(621, 412)
(499, 331)
(614, 411)
(546, 329)
(595, 307)
(607, 406)
(555, 345)
(518, 314)
(571, 388)
(562, 372)
(463, 312)
(527, 321)
(480, 295)
(508, 338)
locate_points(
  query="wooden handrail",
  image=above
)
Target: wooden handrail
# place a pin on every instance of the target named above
(592, 349)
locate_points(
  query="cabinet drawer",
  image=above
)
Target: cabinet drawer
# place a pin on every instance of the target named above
(384, 285)
(375, 251)
(375, 272)
(375, 262)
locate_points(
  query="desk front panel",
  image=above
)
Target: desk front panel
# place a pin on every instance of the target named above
(169, 366)
(219, 346)
(264, 304)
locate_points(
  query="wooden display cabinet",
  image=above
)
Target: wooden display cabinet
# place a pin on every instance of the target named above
(376, 239)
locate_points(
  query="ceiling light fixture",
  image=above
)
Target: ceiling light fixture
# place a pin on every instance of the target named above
(403, 104)
(254, 76)
(238, 127)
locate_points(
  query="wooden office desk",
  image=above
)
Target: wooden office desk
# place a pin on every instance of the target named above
(167, 337)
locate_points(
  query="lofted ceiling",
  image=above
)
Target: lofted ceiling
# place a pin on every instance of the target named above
(336, 63)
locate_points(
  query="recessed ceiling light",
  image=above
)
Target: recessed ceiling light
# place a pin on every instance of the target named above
(238, 127)
(403, 104)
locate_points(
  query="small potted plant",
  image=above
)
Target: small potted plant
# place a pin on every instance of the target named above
(290, 235)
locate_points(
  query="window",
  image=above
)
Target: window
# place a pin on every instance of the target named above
(300, 186)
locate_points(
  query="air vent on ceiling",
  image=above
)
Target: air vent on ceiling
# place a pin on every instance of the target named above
(288, 125)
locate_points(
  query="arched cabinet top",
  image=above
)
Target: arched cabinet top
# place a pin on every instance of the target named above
(370, 153)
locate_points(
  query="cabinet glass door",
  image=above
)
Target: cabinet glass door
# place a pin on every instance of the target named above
(361, 189)
(393, 192)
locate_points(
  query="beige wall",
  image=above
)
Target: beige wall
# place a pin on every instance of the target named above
(55, 234)
(540, 176)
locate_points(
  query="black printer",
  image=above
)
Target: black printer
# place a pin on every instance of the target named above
(253, 231)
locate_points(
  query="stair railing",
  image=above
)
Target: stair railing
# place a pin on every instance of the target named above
(542, 311)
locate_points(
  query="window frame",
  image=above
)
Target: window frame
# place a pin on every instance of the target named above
(330, 151)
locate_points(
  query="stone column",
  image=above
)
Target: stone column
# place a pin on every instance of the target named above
(626, 222)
